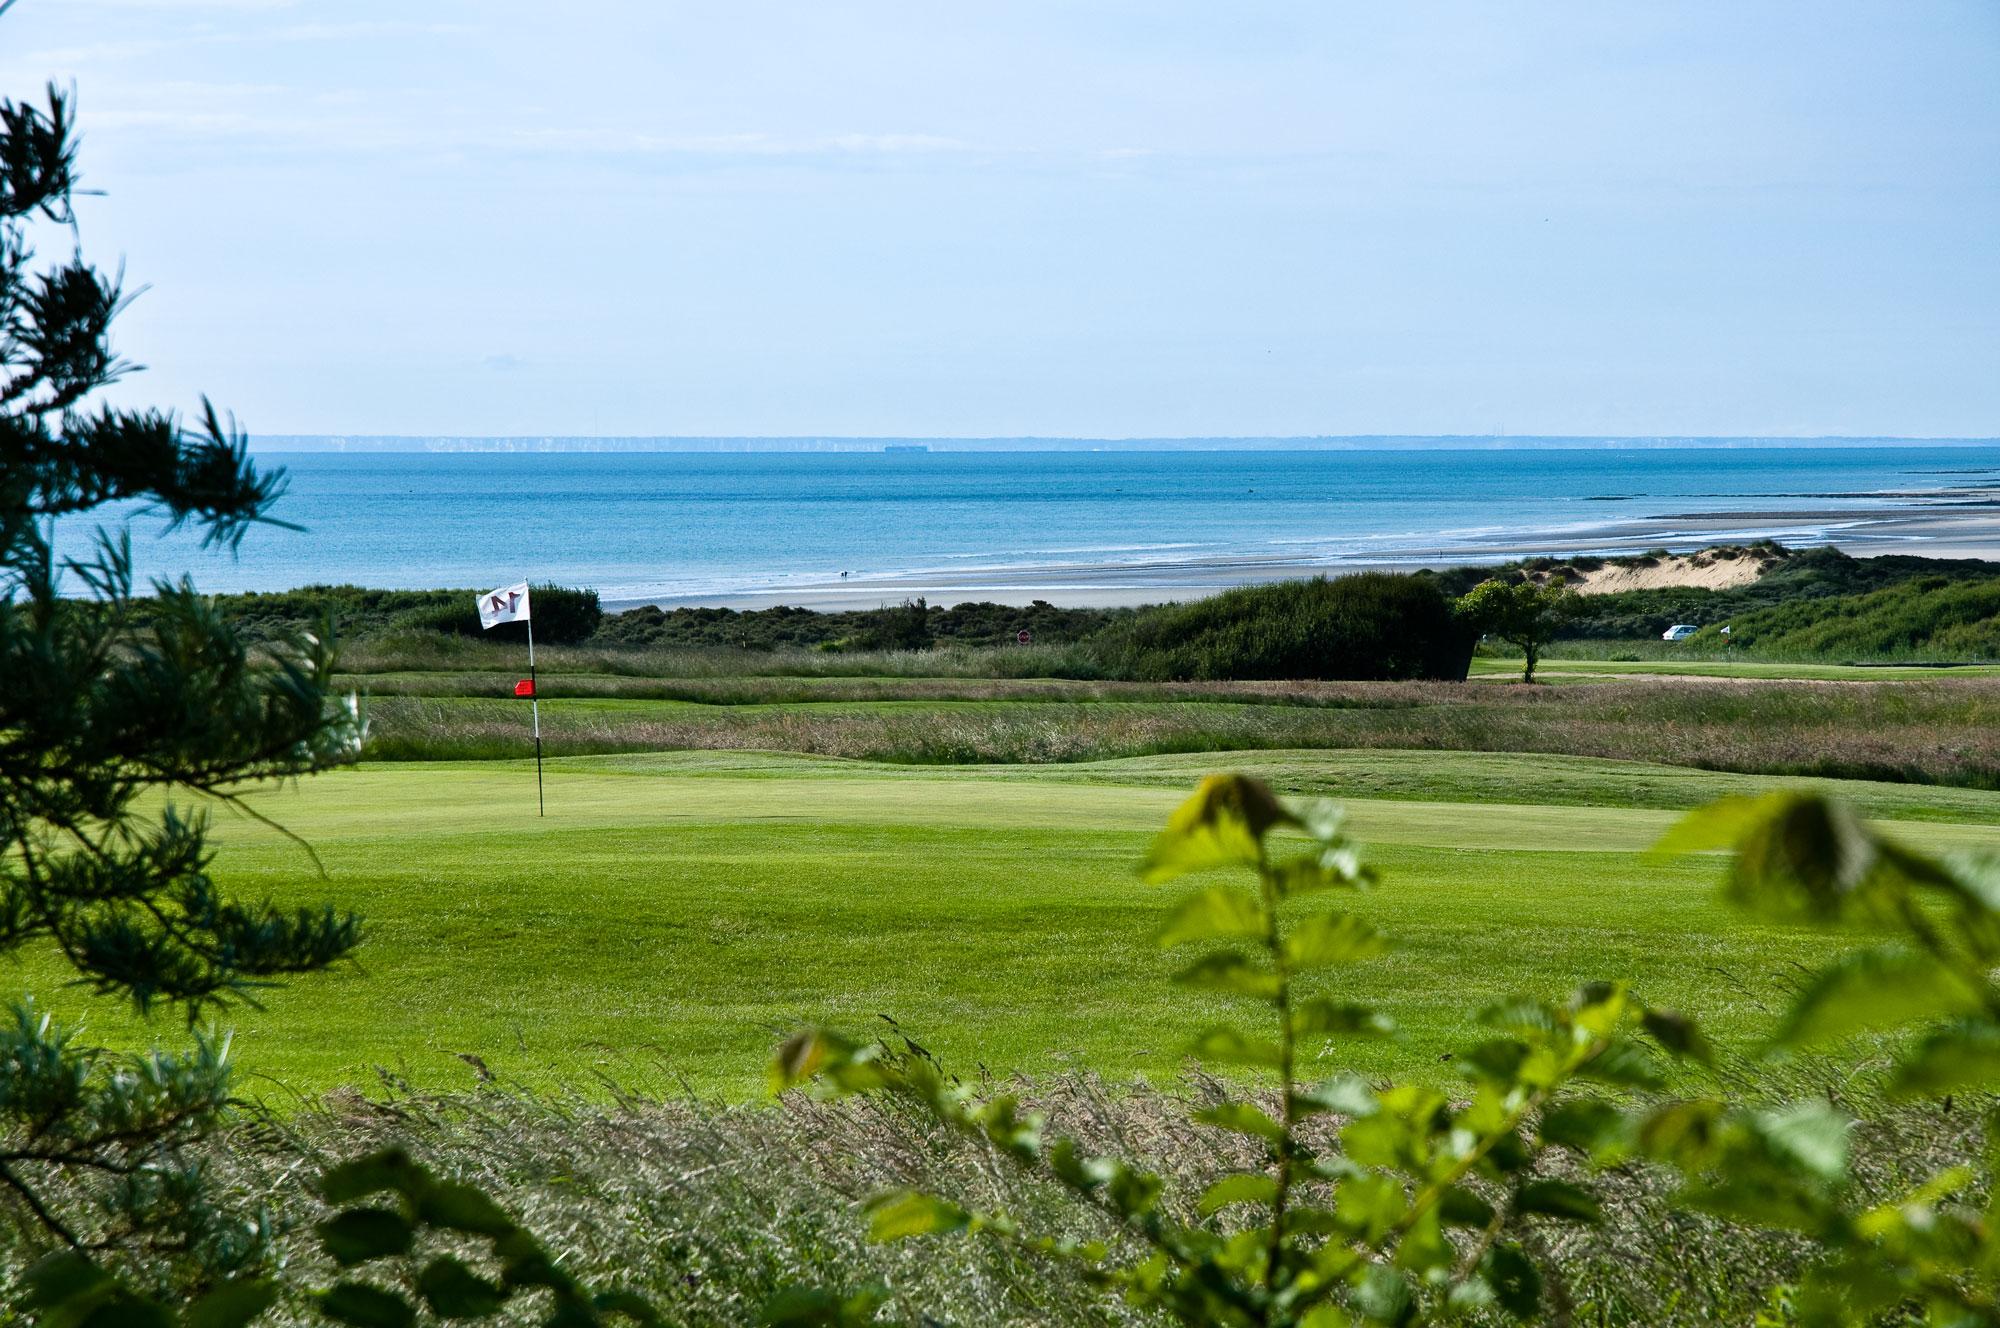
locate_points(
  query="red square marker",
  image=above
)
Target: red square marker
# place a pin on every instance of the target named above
(525, 687)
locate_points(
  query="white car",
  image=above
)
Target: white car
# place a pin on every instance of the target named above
(1679, 632)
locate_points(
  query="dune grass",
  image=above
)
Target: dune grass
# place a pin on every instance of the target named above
(673, 915)
(1711, 665)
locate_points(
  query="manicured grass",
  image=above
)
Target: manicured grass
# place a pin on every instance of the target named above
(673, 915)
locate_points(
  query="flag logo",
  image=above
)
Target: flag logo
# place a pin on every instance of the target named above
(505, 605)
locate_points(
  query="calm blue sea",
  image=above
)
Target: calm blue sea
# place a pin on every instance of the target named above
(671, 525)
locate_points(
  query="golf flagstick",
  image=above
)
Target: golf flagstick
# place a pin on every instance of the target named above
(535, 707)
(511, 604)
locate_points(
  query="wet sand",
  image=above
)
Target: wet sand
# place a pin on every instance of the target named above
(1937, 524)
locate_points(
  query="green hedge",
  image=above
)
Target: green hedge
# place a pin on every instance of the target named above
(1369, 626)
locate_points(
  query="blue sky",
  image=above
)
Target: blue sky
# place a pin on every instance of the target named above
(1106, 219)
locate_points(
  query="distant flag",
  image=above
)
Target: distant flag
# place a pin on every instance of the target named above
(1725, 631)
(506, 605)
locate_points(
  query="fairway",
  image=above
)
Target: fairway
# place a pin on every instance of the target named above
(675, 913)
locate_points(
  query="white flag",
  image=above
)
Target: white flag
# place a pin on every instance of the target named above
(505, 605)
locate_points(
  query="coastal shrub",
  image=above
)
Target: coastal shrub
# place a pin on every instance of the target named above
(1929, 617)
(974, 624)
(1371, 626)
(562, 616)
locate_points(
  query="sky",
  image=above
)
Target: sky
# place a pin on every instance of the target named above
(1102, 218)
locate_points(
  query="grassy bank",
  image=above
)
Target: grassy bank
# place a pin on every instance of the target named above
(673, 914)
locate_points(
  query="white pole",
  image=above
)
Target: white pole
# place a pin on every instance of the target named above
(535, 708)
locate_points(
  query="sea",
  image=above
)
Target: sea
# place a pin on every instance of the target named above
(689, 526)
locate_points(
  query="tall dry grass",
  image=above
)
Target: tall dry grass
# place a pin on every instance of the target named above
(709, 1209)
(1945, 732)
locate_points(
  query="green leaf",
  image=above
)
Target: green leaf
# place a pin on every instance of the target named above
(815, 1307)
(363, 1306)
(905, 1213)
(1219, 912)
(1516, 1282)
(389, 1169)
(1460, 1207)
(1559, 1198)
(118, 1309)
(1811, 1134)
(1241, 1187)
(1588, 1125)
(1624, 1063)
(460, 1207)
(232, 1305)
(1384, 1295)
(1678, 1035)
(1873, 989)
(1335, 938)
(1344, 1095)
(63, 1276)
(1337, 867)
(1222, 825)
(1687, 1134)
(1964, 1057)
(1799, 854)
(361, 1234)
(1231, 972)
(454, 1291)
(630, 1304)
(1242, 1118)
(1229, 1047)
(1320, 1017)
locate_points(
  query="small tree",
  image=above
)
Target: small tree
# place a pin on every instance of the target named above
(1522, 613)
(106, 715)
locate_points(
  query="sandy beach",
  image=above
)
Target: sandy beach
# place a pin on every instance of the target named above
(1952, 523)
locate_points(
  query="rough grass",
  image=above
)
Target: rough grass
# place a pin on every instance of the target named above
(1941, 732)
(684, 912)
(709, 1210)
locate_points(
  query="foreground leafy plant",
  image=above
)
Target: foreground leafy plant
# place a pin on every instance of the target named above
(1931, 1252)
(1424, 1206)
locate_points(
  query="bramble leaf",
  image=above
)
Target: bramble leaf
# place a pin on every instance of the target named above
(1230, 971)
(1322, 1017)
(232, 1305)
(1679, 1035)
(459, 1207)
(1216, 913)
(1516, 1282)
(1242, 1118)
(454, 1291)
(1333, 938)
(1873, 989)
(363, 1306)
(361, 1234)
(389, 1169)
(1962, 1057)
(1229, 1047)
(1222, 825)
(1811, 1134)
(906, 1213)
(1241, 1187)
(1559, 1198)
